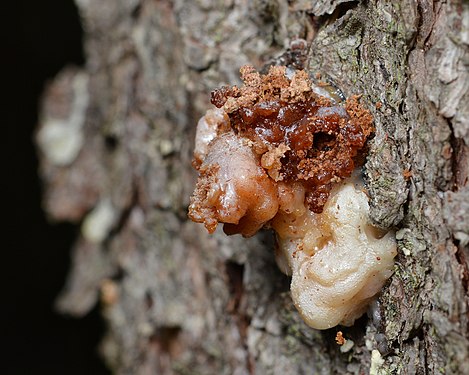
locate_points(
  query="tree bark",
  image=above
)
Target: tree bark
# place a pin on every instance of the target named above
(116, 139)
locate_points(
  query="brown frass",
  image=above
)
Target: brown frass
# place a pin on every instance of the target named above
(298, 135)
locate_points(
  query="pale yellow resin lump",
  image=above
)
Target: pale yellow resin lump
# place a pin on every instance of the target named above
(233, 188)
(337, 260)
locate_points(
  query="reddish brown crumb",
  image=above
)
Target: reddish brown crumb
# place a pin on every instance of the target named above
(407, 174)
(324, 140)
(270, 161)
(340, 339)
(378, 105)
(205, 211)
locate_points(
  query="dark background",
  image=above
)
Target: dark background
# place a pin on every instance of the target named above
(39, 38)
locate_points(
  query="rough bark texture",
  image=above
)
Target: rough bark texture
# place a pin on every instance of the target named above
(116, 140)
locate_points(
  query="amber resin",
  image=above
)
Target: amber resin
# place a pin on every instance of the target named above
(276, 154)
(315, 140)
(296, 136)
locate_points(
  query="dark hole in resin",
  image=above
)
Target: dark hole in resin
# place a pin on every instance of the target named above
(323, 141)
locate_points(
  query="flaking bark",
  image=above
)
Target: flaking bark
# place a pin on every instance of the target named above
(179, 301)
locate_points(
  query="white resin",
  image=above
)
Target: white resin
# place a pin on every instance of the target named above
(337, 260)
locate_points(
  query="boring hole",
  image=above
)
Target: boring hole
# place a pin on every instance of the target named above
(323, 141)
(375, 233)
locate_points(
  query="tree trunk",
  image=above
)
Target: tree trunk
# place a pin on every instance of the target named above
(116, 139)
